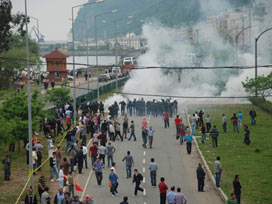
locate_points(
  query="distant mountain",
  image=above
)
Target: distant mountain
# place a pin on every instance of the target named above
(168, 12)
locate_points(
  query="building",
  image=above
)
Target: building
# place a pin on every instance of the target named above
(130, 40)
(56, 66)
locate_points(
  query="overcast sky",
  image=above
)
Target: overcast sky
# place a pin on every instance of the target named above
(53, 15)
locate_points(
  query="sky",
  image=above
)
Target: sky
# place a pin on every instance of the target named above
(53, 16)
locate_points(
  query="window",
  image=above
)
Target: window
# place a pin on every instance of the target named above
(56, 74)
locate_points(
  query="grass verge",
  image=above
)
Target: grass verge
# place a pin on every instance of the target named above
(253, 163)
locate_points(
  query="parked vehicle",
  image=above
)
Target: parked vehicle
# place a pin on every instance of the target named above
(103, 78)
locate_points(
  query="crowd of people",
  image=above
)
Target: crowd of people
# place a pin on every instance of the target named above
(105, 129)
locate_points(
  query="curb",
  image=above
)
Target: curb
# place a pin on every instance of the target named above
(209, 172)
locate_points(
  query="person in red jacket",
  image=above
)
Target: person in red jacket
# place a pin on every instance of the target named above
(166, 119)
(163, 190)
(178, 123)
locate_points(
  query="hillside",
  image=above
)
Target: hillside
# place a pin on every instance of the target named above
(170, 13)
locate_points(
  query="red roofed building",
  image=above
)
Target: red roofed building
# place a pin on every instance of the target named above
(56, 66)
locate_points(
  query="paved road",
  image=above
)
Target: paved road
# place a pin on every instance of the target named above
(178, 168)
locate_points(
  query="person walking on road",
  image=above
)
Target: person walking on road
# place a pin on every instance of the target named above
(166, 119)
(97, 167)
(93, 152)
(214, 134)
(181, 133)
(189, 140)
(150, 134)
(163, 190)
(129, 163)
(125, 128)
(61, 177)
(177, 123)
(137, 179)
(153, 167)
(85, 155)
(125, 200)
(144, 136)
(113, 179)
(218, 171)
(102, 153)
(79, 159)
(144, 123)
(232, 199)
(6, 162)
(110, 151)
(200, 173)
(170, 197)
(179, 197)
(132, 131)
(194, 125)
(237, 188)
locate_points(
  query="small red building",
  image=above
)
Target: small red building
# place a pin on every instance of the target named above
(56, 66)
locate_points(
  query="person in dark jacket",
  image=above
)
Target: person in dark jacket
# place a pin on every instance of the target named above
(200, 177)
(253, 116)
(137, 179)
(214, 134)
(30, 198)
(246, 135)
(6, 162)
(237, 188)
(79, 159)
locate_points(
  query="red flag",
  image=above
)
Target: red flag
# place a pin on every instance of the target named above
(26, 79)
(77, 186)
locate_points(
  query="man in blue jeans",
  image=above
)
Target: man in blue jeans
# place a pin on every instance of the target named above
(194, 125)
(129, 163)
(97, 167)
(53, 166)
(218, 171)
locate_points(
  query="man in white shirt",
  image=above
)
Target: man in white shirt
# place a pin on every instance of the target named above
(85, 157)
(61, 177)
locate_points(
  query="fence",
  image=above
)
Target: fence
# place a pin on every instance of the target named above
(92, 95)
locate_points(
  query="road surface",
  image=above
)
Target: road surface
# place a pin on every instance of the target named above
(178, 168)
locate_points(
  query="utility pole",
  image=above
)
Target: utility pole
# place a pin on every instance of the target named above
(29, 99)
(115, 48)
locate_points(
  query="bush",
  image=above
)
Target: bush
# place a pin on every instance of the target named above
(262, 103)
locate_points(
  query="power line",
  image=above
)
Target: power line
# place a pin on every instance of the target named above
(171, 96)
(149, 67)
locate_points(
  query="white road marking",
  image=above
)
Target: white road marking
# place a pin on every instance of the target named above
(86, 184)
(144, 161)
(144, 202)
(144, 192)
(143, 169)
(144, 180)
(144, 153)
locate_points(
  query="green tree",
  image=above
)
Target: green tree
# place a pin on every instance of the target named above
(14, 110)
(58, 96)
(262, 83)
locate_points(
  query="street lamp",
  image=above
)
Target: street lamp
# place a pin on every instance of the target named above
(236, 42)
(256, 56)
(28, 98)
(96, 51)
(73, 31)
(115, 47)
(38, 37)
(88, 68)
